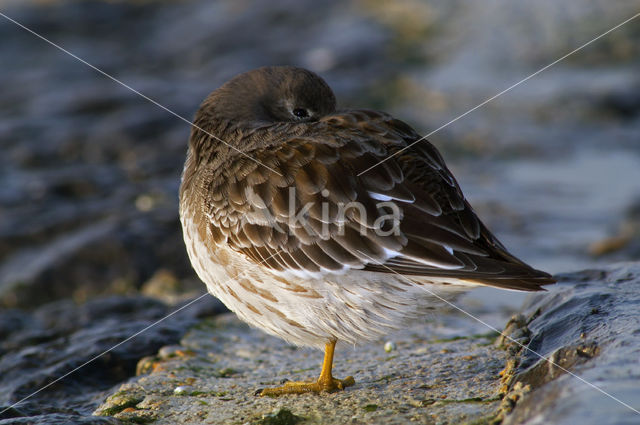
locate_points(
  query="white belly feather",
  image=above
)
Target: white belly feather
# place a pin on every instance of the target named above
(352, 307)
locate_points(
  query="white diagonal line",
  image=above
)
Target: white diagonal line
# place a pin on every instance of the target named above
(507, 337)
(253, 159)
(504, 91)
(134, 90)
(132, 336)
(104, 352)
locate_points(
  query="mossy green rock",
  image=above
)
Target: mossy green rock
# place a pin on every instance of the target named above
(444, 370)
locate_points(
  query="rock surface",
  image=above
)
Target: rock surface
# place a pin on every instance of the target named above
(213, 375)
(589, 325)
(585, 325)
(39, 348)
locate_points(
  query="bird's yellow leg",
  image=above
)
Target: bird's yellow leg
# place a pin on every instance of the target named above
(326, 382)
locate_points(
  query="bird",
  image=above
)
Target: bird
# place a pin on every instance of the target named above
(320, 225)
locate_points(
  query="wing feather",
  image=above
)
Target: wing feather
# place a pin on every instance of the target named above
(320, 216)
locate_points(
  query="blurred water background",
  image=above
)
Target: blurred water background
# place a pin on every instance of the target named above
(89, 171)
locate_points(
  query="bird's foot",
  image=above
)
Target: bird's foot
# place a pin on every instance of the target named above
(327, 385)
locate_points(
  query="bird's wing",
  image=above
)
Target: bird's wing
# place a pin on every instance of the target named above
(318, 216)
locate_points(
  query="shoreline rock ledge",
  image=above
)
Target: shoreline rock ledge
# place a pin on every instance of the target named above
(588, 325)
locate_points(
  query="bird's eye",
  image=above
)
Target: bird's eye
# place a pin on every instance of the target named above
(300, 113)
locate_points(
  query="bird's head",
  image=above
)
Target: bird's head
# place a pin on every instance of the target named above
(268, 95)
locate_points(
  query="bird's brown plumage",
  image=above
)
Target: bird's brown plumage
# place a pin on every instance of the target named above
(248, 207)
(319, 225)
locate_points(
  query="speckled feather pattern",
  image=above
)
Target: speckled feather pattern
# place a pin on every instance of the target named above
(352, 307)
(327, 279)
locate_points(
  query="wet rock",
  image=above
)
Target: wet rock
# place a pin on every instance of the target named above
(441, 372)
(101, 338)
(60, 419)
(621, 104)
(625, 241)
(113, 255)
(586, 326)
(165, 286)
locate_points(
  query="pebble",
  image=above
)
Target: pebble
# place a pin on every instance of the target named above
(182, 390)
